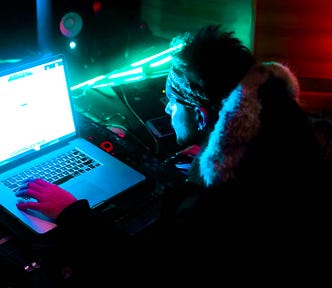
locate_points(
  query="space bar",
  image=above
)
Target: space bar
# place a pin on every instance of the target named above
(63, 180)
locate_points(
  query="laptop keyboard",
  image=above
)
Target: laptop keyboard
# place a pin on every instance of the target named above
(57, 170)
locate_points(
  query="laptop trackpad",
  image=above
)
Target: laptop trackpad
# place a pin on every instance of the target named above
(86, 190)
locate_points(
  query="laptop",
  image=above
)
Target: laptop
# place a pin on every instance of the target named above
(37, 125)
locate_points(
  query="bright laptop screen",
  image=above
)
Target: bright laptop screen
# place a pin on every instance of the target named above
(35, 109)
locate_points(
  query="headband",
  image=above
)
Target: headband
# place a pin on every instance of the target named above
(181, 90)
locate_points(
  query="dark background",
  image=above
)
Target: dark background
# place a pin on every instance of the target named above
(106, 33)
(297, 33)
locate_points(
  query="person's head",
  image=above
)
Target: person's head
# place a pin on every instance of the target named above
(207, 67)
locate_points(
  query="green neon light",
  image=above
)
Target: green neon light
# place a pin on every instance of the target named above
(138, 70)
(143, 61)
(133, 79)
(88, 82)
(161, 62)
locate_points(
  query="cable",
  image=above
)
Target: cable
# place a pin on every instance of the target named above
(124, 100)
(130, 133)
(123, 97)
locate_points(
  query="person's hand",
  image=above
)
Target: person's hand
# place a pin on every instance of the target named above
(51, 199)
(190, 151)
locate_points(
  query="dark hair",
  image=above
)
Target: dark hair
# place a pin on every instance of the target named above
(214, 61)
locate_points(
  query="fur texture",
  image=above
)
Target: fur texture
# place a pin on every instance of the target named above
(239, 122)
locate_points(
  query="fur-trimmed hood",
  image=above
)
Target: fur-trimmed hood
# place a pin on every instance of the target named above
(240, 122)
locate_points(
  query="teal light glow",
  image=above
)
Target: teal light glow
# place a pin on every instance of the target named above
(134, 79)
(138, 70)
(161, 62)
(88, 82)
(148, 59)
(138, 73)
(72, 44)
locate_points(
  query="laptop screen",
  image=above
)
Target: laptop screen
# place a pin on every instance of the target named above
(35, 109)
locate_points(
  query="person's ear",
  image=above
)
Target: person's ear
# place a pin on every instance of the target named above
(201, 117)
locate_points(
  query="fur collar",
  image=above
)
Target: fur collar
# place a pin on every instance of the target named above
(238, 123)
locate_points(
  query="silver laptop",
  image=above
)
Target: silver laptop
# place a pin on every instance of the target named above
(38, 130)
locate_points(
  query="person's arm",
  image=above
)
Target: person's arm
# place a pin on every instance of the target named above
(84, 236)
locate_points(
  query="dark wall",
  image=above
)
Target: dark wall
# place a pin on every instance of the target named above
(104, 31)
(116, 21)
(17, 27)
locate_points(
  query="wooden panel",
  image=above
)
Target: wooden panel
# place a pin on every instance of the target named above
(298, 32)
(319, 103)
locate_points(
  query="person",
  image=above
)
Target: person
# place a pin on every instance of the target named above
(254, 183)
